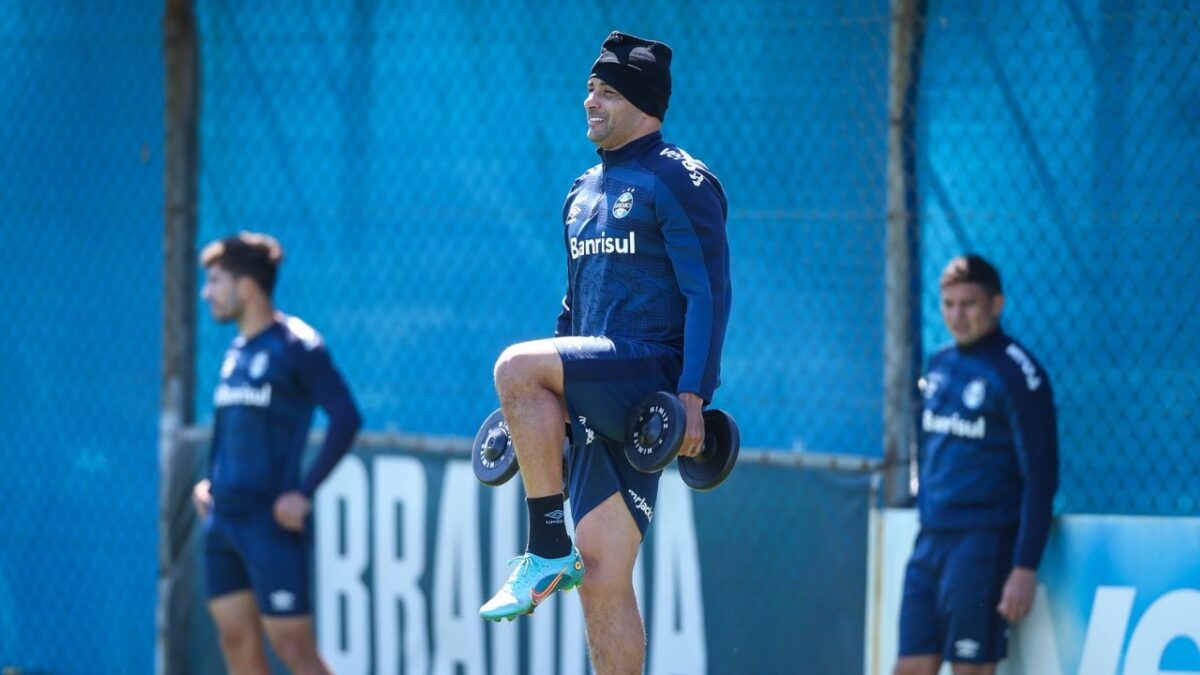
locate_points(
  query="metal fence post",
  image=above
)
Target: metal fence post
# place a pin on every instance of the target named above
(176, 467)
(900, 295)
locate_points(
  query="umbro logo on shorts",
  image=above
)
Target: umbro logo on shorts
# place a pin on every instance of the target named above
(282, 601)
(967, 649)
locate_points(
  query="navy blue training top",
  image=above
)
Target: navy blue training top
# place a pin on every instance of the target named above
(989, 448)
(270, 385)
(647, 256)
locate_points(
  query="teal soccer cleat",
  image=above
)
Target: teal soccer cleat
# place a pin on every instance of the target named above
(532, 582)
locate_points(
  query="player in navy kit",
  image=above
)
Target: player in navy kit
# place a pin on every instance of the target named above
(988, 472)
(256, 502)
(647, 300)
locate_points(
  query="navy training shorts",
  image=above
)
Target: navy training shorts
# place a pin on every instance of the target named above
(603, 382)
(952, 586)
(254, 552)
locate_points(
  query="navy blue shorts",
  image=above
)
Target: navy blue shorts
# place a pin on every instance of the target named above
(951, 589)
(254, 552)
(603, 382)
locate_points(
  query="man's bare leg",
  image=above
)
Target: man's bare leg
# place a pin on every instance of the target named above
(239, 626)
(295, 642)
(529, 380)
(609, 540)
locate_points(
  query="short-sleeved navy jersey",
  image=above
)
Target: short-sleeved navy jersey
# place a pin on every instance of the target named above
(989, 450)
(648, 258)
(270, 385)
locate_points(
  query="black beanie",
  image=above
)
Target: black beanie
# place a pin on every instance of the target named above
(639, 69)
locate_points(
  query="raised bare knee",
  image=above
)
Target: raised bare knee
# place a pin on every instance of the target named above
(516, 369)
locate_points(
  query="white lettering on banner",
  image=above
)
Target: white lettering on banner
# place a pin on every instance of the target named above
(1098, 629)
(340, 519)
(678, 620)
(953, 425)
(1111, 607)
(457, 588)
(1037, 635)
(376, 575)
(1173, 615)
(507, 510)
(401, 630)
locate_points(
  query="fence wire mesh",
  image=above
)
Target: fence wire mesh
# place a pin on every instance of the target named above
(80, 273)
(1065, 144)
(416, 178)
(413, 160)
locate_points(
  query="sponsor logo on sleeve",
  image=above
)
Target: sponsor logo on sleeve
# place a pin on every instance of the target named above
(693, 166)
(1030, 371)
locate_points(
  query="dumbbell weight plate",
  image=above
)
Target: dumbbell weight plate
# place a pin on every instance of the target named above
(721, 444)
(493, 455)
(656, 432)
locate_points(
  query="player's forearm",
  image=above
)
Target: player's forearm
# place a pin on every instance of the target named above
(696, 377)
(344, 423)
(1037, 449)
(1037, 514)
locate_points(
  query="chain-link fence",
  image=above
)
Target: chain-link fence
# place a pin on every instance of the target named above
(413, 160)
(80, 278)
(416, 169)
(417, 176)
(414, 163)
(1064, 142)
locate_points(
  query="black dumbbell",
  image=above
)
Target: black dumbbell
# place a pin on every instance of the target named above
(656, 433)
(493, 455)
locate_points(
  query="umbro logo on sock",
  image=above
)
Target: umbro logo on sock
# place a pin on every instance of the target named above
(554, 517)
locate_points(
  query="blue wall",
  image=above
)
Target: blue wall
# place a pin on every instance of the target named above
(80, 254)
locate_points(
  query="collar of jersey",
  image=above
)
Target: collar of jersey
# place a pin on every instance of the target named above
(239, 342)
(632, 149)
(985, 343)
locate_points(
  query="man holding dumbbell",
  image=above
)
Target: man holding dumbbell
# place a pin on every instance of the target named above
(645, 310)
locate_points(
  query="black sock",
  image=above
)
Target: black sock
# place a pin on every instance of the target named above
(547, 527)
